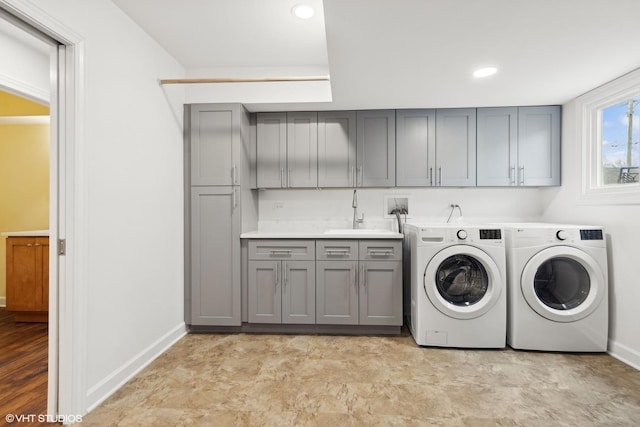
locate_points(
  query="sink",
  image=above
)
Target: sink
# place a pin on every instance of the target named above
(358, 231)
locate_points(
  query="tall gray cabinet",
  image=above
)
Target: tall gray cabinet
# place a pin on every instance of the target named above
(219, 205)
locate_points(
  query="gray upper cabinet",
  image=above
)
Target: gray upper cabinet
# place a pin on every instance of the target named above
(216, 143)
(302, 149)
(287, 150)
(415, 147)
(519, 146)
(376, 148)
(215, 257)
(271, 149)
(497, 142)
(455, 147)
(336, 148)
(539, 146)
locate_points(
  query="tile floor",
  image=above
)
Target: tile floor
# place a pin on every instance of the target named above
(283, 380)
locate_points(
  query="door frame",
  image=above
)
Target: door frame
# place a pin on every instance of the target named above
(68, 195)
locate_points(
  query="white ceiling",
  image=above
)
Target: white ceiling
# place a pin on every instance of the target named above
(404, 53)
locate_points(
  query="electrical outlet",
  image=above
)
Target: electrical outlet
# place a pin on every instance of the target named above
(278, 205)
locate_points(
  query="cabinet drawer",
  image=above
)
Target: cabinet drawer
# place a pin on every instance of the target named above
(282, 249)
(337, 250)
(380, 249)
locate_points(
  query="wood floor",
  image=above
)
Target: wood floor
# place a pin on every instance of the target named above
(23, 367)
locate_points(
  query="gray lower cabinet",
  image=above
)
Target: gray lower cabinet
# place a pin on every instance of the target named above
(281, 282)
(215, 257)
(364, 292)
(415, 147)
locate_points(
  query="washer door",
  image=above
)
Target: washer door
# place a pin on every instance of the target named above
(462, 282)
(563, 284)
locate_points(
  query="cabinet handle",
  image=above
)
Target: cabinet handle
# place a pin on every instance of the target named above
(289, 177)
(234, 174)
(373, 252)
(277, 275)
(355, 279)
(521, 175)
(440, 176)
(333, 252)
(352, 180)
(282, 183)
(431, 177)
(234, 199)
(363, 277)
(512, 175)
(29, 245)
(281, 251)
(284, 282)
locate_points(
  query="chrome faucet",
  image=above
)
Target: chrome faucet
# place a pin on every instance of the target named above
(354, 205)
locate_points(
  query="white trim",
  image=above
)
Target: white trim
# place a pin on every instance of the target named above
(67, 314)
(587, 134)
(3, 301)
(25, 120)
(105, 388)
(624, 354)
(23, 89)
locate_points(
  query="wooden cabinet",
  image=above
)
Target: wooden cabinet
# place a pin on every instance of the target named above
(518, 146)
(376, 148)
(28, 278)
(336, 149)
(219, 205)
(281, 282)
(436, 147)
(455, 147)
(287, 145)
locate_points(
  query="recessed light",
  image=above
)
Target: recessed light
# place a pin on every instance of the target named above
(485, 72)
(303, 11)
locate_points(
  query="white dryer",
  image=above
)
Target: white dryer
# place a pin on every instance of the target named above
(557, 287)
(458, 280)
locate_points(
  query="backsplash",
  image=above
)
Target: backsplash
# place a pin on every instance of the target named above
(315, 210)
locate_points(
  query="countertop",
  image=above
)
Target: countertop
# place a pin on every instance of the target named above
(331, 234)
(29, 233)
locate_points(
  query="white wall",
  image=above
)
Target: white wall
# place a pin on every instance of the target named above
(332, 207)
(622, 228)
(130, 191)
(28, 76)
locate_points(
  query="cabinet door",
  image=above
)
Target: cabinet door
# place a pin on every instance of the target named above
(455, 147)
(381, 293)
(336, 148)
(265, 292)
(415, 147)
(271, 134)
(539, 146)
(302, 149)
(213, 130)
(215, 257)
(497, 144)
(376, 148)
(27, 274)
(336, 293)
(299, 292)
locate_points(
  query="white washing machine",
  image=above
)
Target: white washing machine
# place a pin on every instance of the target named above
(458, 280)
(557, 287)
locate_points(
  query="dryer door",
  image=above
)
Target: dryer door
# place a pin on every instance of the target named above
(563, 284)
(462, 282)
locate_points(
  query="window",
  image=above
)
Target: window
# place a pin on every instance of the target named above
(619, 142)
(609, 131)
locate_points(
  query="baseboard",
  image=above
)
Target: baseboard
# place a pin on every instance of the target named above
(625, 354)
(105, 388)
(3, 301)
